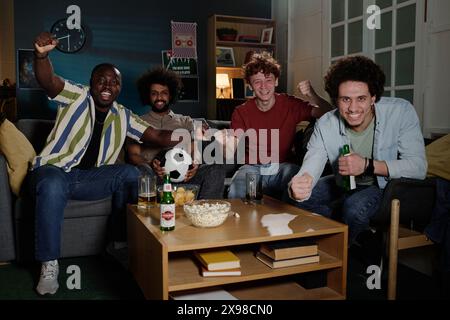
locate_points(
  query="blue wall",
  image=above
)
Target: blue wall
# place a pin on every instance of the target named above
(129, 34)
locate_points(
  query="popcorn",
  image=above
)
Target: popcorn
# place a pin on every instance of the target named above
(207, 214)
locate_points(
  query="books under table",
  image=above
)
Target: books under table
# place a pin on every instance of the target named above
(203, 294)
(218, 260)
(289, 249)
(286, 262)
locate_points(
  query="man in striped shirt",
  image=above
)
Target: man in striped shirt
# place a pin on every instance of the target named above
(78, 159)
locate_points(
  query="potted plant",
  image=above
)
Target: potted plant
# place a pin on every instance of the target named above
(227, 34)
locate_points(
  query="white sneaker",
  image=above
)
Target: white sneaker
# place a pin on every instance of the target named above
(48, 281)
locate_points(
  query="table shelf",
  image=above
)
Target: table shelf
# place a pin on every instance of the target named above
(164, 263)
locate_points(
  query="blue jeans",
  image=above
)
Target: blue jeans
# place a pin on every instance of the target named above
(52, 187)
(356, 208)
(274, 185)
(438, 230)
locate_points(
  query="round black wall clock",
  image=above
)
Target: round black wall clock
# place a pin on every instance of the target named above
(69, 41)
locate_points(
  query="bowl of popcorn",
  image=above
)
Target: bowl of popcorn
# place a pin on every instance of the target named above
(207, 213)
(182, 193)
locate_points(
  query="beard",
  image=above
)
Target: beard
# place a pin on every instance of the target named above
(159, 110)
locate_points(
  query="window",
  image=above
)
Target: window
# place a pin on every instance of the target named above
(393, 47)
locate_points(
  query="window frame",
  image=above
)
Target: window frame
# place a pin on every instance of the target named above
(368, 45)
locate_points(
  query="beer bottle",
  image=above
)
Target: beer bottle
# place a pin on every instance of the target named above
(348, 182)
(167, 206)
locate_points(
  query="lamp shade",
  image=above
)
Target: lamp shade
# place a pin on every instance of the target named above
(222, 80)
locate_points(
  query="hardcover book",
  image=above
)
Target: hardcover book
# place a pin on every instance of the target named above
(287, 262)
(218, 259)
(289, 249)
(203, 294)
(220, 273)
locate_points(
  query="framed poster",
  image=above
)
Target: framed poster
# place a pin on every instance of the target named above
(182, 66)
(225, 57)
(25, 70)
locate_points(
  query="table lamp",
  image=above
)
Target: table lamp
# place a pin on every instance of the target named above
(222, 82)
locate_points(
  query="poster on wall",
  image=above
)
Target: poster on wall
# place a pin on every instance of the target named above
(184, 39)
(25, 70)
(182, 66)
(225, 57)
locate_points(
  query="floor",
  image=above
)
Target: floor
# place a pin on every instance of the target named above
(104, 278)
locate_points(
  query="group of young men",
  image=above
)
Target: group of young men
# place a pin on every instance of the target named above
(78, 161)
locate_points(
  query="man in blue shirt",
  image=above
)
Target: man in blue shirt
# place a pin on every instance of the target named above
(385, 140)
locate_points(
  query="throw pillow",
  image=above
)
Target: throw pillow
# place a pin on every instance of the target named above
(19, 153)
(438, 153)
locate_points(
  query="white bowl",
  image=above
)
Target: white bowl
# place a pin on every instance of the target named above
(207, 213)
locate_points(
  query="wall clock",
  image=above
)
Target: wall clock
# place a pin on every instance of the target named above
(69, 41)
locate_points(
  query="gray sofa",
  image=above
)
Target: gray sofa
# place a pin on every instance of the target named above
(85, 222)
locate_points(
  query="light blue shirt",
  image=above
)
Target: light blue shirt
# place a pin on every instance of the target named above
(398, 141)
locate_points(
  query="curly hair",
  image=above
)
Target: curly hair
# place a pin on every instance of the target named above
(261, 62)
(355, 68)
(160, 76)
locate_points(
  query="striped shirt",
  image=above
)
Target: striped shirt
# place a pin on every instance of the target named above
(74, 126)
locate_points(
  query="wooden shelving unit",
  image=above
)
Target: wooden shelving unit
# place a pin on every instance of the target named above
(244, 26)
(164, 263)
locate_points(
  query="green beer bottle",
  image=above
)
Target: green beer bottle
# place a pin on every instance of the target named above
(348, 182)
(167, 206)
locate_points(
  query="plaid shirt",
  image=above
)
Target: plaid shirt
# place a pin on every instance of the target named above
(74, 126)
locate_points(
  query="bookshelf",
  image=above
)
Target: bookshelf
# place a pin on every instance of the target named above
(246, 27)
(164, 263)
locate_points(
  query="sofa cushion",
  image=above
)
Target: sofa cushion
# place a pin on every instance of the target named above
(74, 208)
(219, 124)
(36, 131)
(19, 154)
(7, 248)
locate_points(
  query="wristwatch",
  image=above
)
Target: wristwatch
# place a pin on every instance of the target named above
(370, 170)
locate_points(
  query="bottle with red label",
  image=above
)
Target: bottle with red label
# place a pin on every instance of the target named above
(167, 206)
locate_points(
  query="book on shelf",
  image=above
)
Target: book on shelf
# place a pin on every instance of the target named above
(289, 249)
(220, 273)
(203, 294)
(286, 262)
(218, 259)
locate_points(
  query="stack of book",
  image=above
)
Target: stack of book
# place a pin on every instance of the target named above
(219, 263)
(249, 38)
(288, 253)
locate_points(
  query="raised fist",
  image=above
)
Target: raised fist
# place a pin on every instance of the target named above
(301, 186)
(306, 89)
(44, 43)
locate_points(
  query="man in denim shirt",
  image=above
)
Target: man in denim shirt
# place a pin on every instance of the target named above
(385, 141)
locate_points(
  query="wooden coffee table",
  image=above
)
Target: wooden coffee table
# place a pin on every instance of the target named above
(163, 264)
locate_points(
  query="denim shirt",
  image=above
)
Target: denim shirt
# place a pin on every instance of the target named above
(398, 141)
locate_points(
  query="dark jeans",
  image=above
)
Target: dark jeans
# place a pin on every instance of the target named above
(274, 185)
(52, 187)
(354, 208)
(211, 178)
(438, 229)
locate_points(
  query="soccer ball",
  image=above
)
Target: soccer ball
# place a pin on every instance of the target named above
(176, 162)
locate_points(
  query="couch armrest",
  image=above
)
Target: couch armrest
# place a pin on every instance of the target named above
(7, 249)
